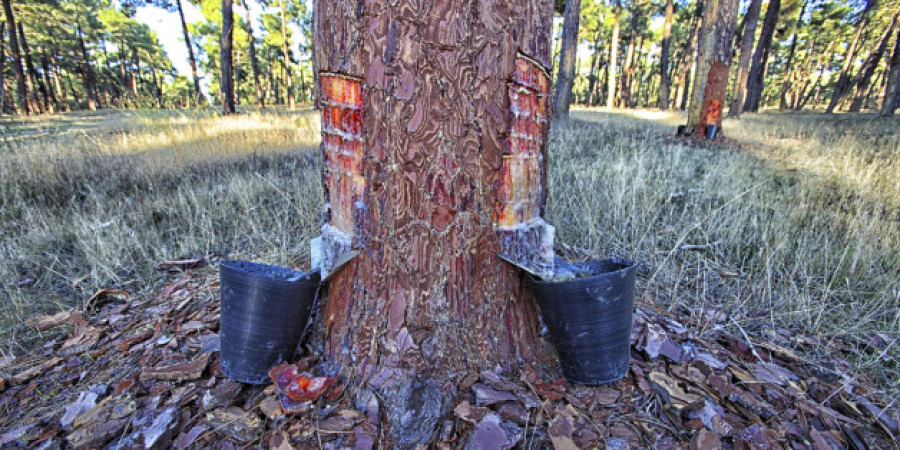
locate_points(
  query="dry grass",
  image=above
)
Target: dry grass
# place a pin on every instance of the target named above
(800, 228)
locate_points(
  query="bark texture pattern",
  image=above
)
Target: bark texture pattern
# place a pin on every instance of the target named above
(427, 294)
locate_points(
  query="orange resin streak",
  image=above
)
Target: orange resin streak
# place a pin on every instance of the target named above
(342, 140)
(520, 183)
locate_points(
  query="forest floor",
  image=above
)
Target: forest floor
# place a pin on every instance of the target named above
(769, 304)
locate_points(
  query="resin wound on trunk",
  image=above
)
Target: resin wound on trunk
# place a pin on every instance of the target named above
(342, 147)
(524, 236)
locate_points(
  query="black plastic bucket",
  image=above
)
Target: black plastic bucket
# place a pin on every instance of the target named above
(712, 131)
(264, 311)
(589, 319)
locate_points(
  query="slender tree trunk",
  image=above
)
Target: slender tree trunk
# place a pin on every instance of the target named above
(843, 82)
(786, 83)
(868, 68)
(628, 68)
(566, 75)
(892, 87)
(595, 63)
(62, 103)
(2, 68)
(32, 74)
(21, 90)
(460, 170)
(73, 91)
(756, 78)
(45, 68)
(289, 83)
(664, 57)
(254, 64)
(226, 77)
(190, 49)
(711, 78)
(692, 47)
(87, 73)
(749, 35)
(613, 58)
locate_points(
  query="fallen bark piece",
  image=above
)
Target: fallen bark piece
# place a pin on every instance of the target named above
(103, 296)
(486, 396)
(470, 413)
(713, 418)
(3, 383)
(184, 440)
(513, 412)
(271, 407)
(160, 433)
(706, 440)
(223, 394)
(236, 423)
(187, 371)
(97, 434)
(669, 390)
(560, 432)
(27, 375)
(44, 322)
(491, 433)
(126, 345)
(755, 436)
(86, 400)
(336, 423)
(280, 441)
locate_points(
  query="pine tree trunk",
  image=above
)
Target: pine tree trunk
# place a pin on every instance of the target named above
(226, 77)
(757, 75)
(664, 57)
(843, 82)
(21, 90)
(749, 35)
(868, 68)
(786, 83)
(45, 68)
(254, 64)
(613, 58)
(32, 74)
(289, 82)
(692, 49)
(892, 87)
(190, 49)
(2, 67)
(566, 75)
(628, 68)
(713, 66)
(87, 74)
(434, 166)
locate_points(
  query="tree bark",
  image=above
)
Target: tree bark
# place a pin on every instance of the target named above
(713, 66)
(289, 82)
(21, 90)
(664, 57)
(892, 87)
(254, 64)
(433, 166)
(756, 78)
(749, 35)
(566, 75)
(613, 58)
(45, 68)
(2, 68)
(843, 82)
(628, 68)
(868, 68)
(32, 73)
(190, 49)
(786, 83)
(691, 49)
(226, 77)
(87, 73)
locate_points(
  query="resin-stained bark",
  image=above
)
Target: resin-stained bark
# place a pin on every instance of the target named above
(427, 294)
(711, 78)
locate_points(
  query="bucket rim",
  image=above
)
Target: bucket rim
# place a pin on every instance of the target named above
(624, 264)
